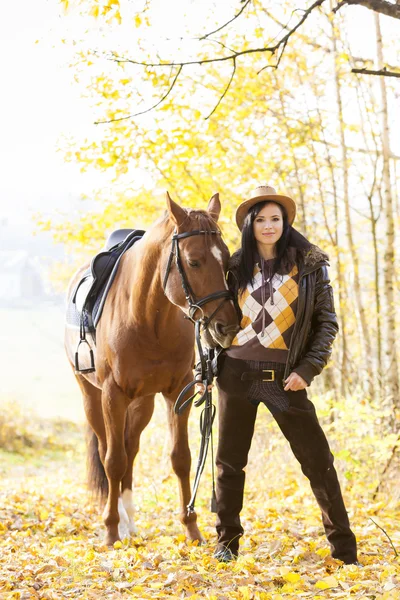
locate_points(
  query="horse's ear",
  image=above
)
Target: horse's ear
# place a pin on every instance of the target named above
(176, 212)
(214, 207)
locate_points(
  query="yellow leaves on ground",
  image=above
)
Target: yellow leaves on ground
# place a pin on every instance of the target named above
(292, 577)
(327, 583)
(51, 535)
(43, 515)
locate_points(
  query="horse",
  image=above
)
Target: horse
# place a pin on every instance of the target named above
(173, 275)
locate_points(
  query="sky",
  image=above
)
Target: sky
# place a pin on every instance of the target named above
(39, 104)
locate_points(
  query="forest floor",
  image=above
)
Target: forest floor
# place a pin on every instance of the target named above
(51, 532)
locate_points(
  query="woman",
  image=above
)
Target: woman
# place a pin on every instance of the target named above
(288, 325)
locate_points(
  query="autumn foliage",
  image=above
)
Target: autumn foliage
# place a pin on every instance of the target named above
(312, 129)
(51, 532)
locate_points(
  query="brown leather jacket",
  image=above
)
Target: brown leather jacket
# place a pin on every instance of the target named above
(316, 324)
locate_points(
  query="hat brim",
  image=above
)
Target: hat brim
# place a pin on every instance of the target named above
(285, 201)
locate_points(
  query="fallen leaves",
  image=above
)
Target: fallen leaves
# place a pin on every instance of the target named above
(38, 564)
(51, 538)
(327, 583)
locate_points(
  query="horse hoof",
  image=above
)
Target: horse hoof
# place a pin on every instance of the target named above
(193, 533)
(110, 539)
(123, 531)
(133, 530)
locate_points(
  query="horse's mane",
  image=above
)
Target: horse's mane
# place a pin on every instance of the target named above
(204, 220)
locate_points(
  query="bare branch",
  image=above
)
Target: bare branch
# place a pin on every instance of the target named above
(369, 61)
(319, 46)
(225, 91)
(306, 13)
(382, 72)
(148, 109)
(281, 44)
(388, 464)
(380, 6)
(276, 65)
(221, 44)
(227, 23)
(391, 543)
(304, 37)
(234, 55)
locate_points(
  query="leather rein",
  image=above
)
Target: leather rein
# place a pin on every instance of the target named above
(207, 360)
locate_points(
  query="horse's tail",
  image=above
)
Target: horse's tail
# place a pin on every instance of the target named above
(97, 479)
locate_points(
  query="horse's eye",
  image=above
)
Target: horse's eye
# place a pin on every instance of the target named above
(194, 263)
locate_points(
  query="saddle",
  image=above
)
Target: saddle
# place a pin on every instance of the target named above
(87, 301)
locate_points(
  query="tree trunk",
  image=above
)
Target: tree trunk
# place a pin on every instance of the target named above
(374, 218)
(367, 350)
(391, 368)
(294, 159)
(341, 309)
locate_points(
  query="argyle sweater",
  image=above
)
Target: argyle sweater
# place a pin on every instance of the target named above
(267, 326)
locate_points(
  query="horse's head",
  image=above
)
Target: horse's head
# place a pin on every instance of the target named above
(194, 270)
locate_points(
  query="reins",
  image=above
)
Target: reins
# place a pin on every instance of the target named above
(207, 362)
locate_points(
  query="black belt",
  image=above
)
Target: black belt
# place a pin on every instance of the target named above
(264, 375)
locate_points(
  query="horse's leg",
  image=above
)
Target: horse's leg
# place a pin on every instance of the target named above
(139, 414)
(115, 405)
(181, 461)
(96, 439)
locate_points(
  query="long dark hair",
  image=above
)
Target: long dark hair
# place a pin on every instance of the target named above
(285, 258)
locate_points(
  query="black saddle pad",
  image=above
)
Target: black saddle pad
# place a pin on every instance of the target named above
(87, 301)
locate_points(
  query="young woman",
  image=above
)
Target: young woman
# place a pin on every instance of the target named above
(288, 325)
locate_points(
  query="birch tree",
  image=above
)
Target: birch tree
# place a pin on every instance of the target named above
(391, 367)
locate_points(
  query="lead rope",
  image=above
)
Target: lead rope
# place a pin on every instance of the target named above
(213, 506)
(206, 418)
(206, 422)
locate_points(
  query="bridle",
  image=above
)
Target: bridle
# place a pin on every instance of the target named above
(207, 360)
(194, 304)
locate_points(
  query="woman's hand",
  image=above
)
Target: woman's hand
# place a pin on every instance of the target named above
(294, 383)
(200, 387)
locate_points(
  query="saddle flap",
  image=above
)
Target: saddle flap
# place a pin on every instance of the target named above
(82, 291)
(104, 262)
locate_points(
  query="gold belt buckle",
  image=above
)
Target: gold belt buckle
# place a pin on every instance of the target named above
(272, 372)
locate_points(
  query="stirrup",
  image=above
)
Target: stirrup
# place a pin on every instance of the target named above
(90, 369)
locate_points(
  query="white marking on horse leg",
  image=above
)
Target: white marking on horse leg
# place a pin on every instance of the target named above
(123, 525)
(130, 510)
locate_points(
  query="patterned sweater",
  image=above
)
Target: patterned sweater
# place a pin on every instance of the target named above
(268, 319)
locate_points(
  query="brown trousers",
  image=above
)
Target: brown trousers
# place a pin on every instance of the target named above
(299, 424)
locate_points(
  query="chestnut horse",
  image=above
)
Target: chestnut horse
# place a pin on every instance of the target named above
(145, 345)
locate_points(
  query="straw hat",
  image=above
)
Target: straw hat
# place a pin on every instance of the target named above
(261, 193)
